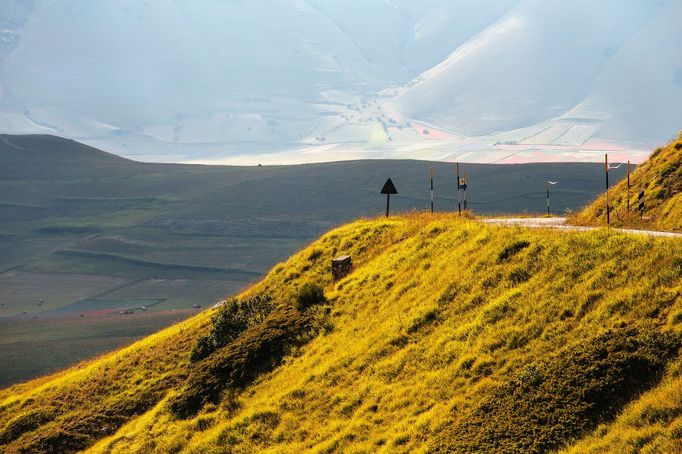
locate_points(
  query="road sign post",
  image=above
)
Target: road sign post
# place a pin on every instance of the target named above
(431, 177)
(388, 189)
(461, 186)
(459, 203)
(464, 184)
(547, 183)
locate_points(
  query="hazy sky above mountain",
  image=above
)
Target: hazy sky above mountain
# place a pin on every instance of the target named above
(297, 80)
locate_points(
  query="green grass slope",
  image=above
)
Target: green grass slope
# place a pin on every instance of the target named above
(660, 177)
(448, 335)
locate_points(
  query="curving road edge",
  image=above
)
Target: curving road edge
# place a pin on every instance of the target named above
(560, 223)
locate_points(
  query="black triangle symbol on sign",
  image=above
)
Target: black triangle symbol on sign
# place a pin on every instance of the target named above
(389, 188)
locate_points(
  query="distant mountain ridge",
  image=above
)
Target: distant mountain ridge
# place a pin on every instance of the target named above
(309, 80)
(512, 75)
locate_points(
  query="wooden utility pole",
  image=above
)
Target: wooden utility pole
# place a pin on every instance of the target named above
(431, 177)
(606, 170)
(628, 187)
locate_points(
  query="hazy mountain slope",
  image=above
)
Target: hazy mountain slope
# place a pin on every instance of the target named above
(192, 61)
(407, 359)
(638, 93)
(404, 38)
(178, 82)
(660, 177)
(536, 63)
(216, 73)
(13, 16)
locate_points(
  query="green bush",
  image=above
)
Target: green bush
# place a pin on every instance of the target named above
(247, 338)
(314, 255)
(310, 295)
(259, 348)
(25, 423)
(53, 439)
(423, 320)
(202, 348)
(232, 318)
(548, 404)
(511, 250)
(518, 276)
(76, 431)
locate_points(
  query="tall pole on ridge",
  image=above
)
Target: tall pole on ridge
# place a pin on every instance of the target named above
(628, 186)
(606, 169)
(547, 183)
(431, 176)
(459, 203)
(466, 184)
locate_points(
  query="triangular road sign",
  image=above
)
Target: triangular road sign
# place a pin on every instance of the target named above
(389, 188)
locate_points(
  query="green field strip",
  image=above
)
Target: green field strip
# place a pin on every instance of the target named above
(168, 266)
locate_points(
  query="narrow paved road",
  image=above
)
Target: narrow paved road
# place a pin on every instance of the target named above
(560, 223)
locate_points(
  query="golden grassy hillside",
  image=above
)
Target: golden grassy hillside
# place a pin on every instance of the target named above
(448, 335)
(660, 177)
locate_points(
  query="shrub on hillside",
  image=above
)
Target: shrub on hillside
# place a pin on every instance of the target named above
(246, 339)
(52, 438)
(310, 295)
(202, 348)
(548, 404)
(25, 423)
(235, 316)
(511, 250)
(518, 276)
(76, 431)
(258, 349)
(316, 254)
(231, 319)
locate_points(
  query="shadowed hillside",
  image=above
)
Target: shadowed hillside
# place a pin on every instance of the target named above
(660, 178)
(447, 335)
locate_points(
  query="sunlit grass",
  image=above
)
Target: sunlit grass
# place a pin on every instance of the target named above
(660, 177)
(438, 313)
